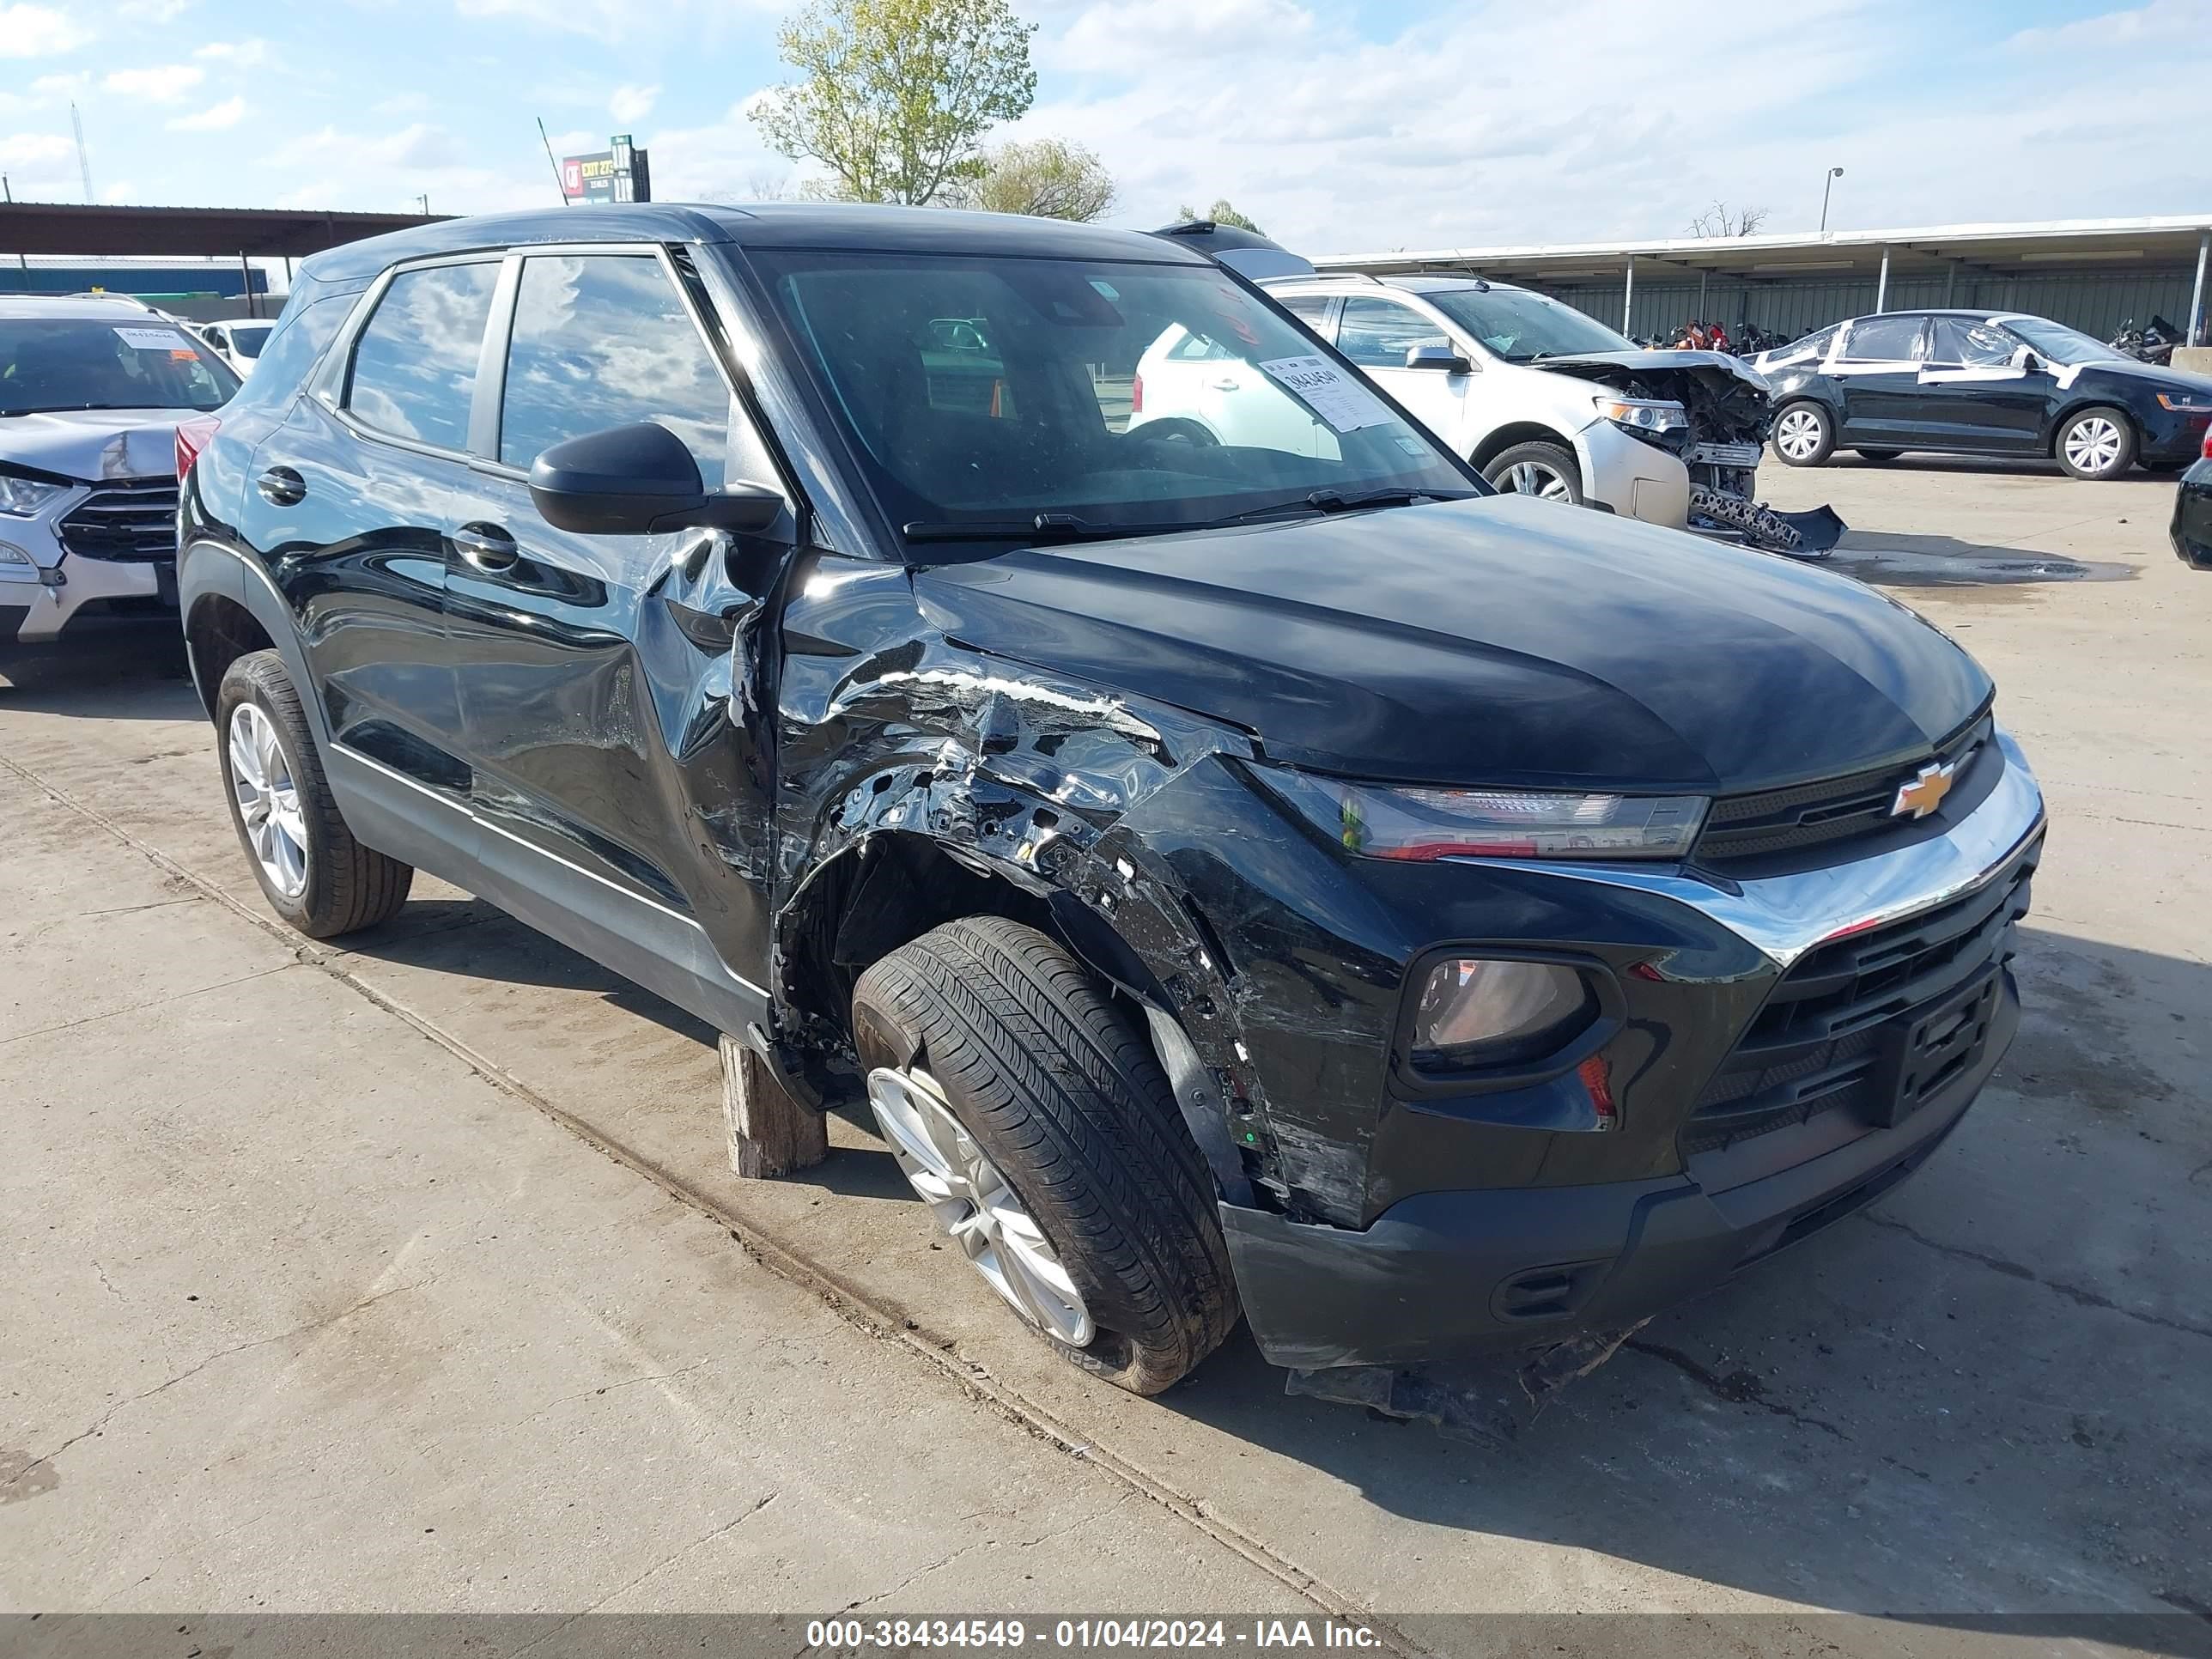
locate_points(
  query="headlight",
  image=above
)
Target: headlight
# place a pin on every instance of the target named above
(1382, 822)
(1644, 417)
(2184, 400)
(1479, 1011)
(22, 497)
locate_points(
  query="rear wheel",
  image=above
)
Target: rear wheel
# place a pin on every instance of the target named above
(1038, 1126)
(1803, 434)
(311, 871)
(2096, 443)
(1544, 470)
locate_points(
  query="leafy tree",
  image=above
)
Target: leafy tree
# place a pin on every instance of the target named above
(1048, 178)
(1719, 220)
(1222, 213)
(894, 95)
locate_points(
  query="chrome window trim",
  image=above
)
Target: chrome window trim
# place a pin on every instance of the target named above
(1785, 916)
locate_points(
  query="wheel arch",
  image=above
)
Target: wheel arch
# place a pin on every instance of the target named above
(2088, 400)
(230, 607)
(1495, 444)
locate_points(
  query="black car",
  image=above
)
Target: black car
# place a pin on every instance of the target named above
(2192, 513)
(1302, 880)
(1977, 383)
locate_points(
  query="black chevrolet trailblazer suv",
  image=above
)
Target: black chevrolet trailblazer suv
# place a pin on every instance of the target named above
(1286, 877)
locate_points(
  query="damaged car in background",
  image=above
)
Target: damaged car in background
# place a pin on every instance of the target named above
(1540, 398)
(1289, 881)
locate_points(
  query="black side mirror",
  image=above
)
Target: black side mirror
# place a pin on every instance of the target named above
(636, 480)
(1443, 358)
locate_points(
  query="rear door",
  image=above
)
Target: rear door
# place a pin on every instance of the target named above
(595, 670)
(1878, 367)
(347, 503)
(1975, 395)
(1375, 333)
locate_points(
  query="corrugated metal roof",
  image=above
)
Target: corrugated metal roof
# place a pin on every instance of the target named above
(270, 232)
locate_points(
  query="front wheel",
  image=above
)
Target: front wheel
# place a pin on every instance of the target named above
(311, 871)
(1879, 456)
(1038, 1126)
(2097, 444)
(1803, 434)
(1546, 472)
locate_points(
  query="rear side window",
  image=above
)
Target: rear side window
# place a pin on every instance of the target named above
(1308, 308)
(414, 365)
(291, 349)
(1883, 340)
(604, 340)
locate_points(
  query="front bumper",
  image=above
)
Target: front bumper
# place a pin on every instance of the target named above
(1636, 479)
(81, 600)
(1440, 1274)
(2173, 436)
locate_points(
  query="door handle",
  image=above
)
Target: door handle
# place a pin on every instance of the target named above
(486, 546)
(280, 486)
(1225, 384)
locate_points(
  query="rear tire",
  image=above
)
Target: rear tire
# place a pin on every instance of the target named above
(2096, 444)
(1804, 433)
(1066, 1105)
(311, 871)
(1547, 471)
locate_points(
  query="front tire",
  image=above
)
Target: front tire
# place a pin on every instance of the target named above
(1037, 1125)
(1547, 471)
(2096, 444)
(311, 871)
(1804, 436)
(1879, 457)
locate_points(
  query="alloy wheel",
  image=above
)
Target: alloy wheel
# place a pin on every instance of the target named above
(1534, 478)
(2092, 446)
(268, 800)
(1797, 434)
(974, 1203)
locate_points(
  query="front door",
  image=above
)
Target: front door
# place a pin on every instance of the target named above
(1377, 333)
(1977, 393)
(596, 670)
(1879, 369)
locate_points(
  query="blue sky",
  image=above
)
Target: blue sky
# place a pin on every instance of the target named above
(1340, 127)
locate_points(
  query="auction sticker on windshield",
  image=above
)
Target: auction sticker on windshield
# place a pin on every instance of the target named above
(1344, 404)
(155, 339)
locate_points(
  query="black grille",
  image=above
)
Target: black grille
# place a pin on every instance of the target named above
(1874, 1023)
(1743, 826)
(126, 520)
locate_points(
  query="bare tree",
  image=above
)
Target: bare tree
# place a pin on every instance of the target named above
(1047, 178)
(1719, 219)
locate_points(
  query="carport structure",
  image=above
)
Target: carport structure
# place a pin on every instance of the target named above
(2093, 274)
(248, 234)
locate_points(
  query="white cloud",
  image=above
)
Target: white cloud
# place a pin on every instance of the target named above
(163, 83)
(632, 103)
(27, 148)
(28, 30)
(215, 118)
(51, 87)
(240, 54)
(153, 11)
(119, 193)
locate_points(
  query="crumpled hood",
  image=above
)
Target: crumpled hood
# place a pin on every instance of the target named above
(92, 444)
(1502, 640)
(1641, 362)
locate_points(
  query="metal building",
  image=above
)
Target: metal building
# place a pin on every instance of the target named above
(2093, 274)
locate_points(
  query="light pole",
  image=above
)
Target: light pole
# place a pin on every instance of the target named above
(1827, 185)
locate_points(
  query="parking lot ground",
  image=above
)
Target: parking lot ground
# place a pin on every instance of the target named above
(437, 1189)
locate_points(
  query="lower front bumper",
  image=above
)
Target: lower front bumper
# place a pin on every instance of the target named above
(1636, 479)
(86, 601)
(1443, 1275)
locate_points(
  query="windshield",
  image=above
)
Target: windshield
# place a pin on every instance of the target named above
(1521, 326)
(2059, 343)
(984, 394)
(67, 362)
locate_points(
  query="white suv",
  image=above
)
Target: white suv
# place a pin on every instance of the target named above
(1542, 398)
(91, 393)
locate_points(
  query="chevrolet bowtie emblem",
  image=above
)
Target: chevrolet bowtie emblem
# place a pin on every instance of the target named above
(1918, 799)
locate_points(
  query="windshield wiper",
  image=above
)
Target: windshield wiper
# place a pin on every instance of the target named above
(1040, 528)
(1334, 501)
